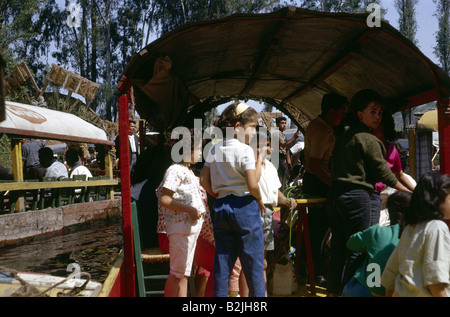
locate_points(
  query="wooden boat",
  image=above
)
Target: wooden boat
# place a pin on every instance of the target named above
(289, 58)
(28, 284)
(27, 121)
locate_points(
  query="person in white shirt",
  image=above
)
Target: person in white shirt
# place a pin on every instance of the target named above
(76, 168)
(420, 264)
(269, 186)
(229, 174)
(133, 145)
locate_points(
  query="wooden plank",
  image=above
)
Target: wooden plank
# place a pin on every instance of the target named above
(111, 286)
(17, 167)
(267, 53)
(341, 60)
(302, 203)
(109, 169)
(444, 134)
(40, 185)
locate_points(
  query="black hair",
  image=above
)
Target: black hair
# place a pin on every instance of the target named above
(404, 156)
(427, 198)
(397, 204)
(71, 156)
(388, 124)
(261, 135)
(360, 101)
(228, 119)
(46, 152)
(332, 101)
(279, 119)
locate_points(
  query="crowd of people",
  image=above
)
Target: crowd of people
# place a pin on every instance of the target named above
(39, 161)
(216, 217)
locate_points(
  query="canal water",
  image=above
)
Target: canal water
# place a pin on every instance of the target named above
(94, 249)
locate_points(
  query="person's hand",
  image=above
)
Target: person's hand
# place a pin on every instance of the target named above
(297, 134)
(293, 203)
(262, 208)
(195, 214)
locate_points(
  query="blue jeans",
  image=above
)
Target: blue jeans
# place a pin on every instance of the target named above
(355, 289)
(238, 233)
(376, 209)
(348, 212)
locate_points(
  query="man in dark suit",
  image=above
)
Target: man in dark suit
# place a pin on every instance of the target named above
(133, 144)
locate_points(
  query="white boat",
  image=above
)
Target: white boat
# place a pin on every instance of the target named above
(24, 284)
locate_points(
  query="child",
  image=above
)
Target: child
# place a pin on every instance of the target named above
(379, 243)
(181, 208)
(230, 175)
(269, 186)
(420, 264)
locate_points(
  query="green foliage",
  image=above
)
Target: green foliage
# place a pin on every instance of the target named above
(442, 48)
(349, 6)
(170, 14)
(407, 20)
(15, 23)
(5, 152)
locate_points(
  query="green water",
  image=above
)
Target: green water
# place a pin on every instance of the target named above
(94, 249)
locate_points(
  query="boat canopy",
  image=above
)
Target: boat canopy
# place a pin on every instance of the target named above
(429, 121)
(289, 58)
(28, 121)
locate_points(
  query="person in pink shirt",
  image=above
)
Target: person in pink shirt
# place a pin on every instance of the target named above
(386, 133)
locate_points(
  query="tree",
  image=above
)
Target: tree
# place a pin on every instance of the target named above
(408, 27)
(350, 6)
(15, 23)
(442, 48)
(407, 21)
(167, 15)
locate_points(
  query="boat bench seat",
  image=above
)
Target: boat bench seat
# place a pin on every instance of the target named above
(154, 255)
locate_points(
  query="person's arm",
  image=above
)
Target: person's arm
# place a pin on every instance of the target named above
(261, 156)
(168, 202)
(404, 180)
(282, 200)
(374, 155)
(252, 184)
(355, 242)
(438, 290)
(288, 160)
(291, 141)
(205, 180)
(400, 186)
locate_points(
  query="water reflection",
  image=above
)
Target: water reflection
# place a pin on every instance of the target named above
(94, 248)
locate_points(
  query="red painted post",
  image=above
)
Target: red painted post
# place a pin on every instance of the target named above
(125, 184)
(444, 134)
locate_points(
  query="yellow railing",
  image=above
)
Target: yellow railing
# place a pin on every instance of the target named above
(16, 196)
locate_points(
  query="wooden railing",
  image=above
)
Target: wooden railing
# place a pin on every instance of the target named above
(35, 194)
